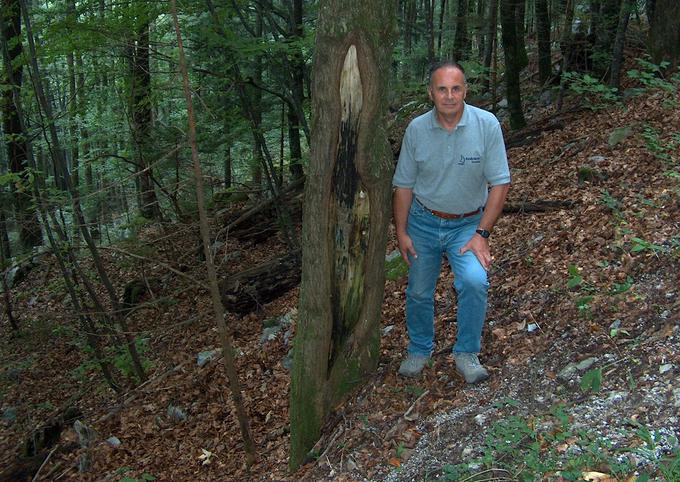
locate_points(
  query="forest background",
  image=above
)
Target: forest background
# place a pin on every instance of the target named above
(97, 170)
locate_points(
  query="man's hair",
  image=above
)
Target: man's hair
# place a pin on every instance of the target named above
(440, 65)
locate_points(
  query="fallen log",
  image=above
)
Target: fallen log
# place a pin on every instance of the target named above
(538, 206)
(247, 291)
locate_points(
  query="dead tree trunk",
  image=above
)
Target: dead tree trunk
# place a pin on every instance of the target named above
(347, 209)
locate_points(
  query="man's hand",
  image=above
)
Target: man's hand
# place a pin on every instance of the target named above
(480, 247)
(406, 247)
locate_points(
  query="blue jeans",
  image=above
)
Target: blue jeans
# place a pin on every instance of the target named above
(433, 237)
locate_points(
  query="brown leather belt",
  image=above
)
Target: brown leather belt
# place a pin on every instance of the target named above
(443, 215)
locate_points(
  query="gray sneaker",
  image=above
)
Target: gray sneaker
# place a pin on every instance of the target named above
(468, 365)
(413, 365)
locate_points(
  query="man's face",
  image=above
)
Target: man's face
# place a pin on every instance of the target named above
(447, 90)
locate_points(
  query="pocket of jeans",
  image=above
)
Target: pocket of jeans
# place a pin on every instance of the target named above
(416, 209)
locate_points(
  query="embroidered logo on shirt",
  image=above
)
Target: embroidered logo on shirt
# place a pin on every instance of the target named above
(472, 159)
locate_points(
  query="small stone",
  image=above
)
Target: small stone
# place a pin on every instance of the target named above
(176, 414)
(269, 334)
(287, 362)
(597, 159)
(480, 420)
(206, 356)
(113, 441)
(676, 395)
(567, 372)
(616, 324)
(84, 462)
(86, 435)
(531, 327)
(665, 368)
(393, 255)
(9, 415)
(467, 452)
(618, 135)
(665, 314)
(586, 364)
(387, 329)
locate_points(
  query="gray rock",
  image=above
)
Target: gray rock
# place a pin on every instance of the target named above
(86, 435)
(206, 356)
(387, 329)
(586, 364)
(616, 324)
(9, 415)
(84, 462)
(393, 255)
(176, 414)
(287, 362)
(665, 368)
(269, 334)
(618, 135)
(567, 372)
(480, 420)
(113, 441)
(676, 396)
(597, 159)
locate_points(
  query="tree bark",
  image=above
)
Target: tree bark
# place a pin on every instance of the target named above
(619, 43)
(513, 62)
(461, 38)
(30, 233)
(140, 98)
(347, 209)
(490, 46)
(218, 308)
(665, 34)
(543, 37)
(298, 93)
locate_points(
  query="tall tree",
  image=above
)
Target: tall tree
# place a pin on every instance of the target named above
(461, 41)
(665, 34)
(513, 62)
(543, 38)
(30, 233)
(141, 112)
(346, 213)
(491, 44)
(619, 43)
(297, 90)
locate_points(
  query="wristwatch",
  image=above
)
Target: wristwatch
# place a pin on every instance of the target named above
(483, 233)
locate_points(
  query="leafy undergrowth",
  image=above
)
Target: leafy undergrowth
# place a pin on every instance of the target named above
(582, 343)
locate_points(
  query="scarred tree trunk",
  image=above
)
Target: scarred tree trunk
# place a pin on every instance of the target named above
(347, 202)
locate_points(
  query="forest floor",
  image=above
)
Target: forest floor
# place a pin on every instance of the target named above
(582, 342)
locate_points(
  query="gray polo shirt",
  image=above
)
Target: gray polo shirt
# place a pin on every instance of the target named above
(451, 171)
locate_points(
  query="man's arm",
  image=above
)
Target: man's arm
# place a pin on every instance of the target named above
(492, 210)
(401, 203)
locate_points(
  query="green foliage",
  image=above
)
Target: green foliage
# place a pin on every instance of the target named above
(534, 448)
(592, 380)
(121, 358)
(664, 151)
(594, 94)
(575, 279)
(651, 75)
(610, 201)
(622, 287)
(640, 245)
(395, 268)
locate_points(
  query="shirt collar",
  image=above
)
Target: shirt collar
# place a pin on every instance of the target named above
(434, 123)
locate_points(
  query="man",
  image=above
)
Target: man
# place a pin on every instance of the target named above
(450, 186)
